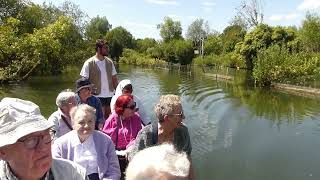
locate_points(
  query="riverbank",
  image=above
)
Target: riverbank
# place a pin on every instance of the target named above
(297, 90)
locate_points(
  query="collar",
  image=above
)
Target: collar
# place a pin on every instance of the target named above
(75, 140)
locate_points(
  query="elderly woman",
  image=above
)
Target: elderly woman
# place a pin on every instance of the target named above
(125, 87)
(123, 126)
(168, 128)
(91, 149)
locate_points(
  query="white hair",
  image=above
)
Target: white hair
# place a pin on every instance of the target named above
(63, 97)
(83, 108)
(157, 162)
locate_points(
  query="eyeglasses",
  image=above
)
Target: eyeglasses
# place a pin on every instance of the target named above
(33, 142)
(180, 114)
(133, 106)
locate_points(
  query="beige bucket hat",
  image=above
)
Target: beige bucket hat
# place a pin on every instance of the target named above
(19, 118)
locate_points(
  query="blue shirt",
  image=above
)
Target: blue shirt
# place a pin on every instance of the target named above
(95, 103)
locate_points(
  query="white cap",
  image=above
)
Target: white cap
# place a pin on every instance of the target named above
(19, 118)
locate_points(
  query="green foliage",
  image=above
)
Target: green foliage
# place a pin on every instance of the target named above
(197, 29)
(31, 18)
(278, 64)
(178, 51)
(45, 51)
(170, 30)
(213, 45)
(183, 51)
(97, 28)
(132, 57)
(118, 39)
(144, 44)
(10, 8)
(262, 37)
(218, 60)
(310, 33)
(231, 36)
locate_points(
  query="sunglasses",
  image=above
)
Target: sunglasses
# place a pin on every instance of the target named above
(133, 106)
(33, 142)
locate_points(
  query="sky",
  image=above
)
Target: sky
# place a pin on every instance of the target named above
(140, 17)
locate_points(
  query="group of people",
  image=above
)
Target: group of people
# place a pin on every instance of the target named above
(95, 134)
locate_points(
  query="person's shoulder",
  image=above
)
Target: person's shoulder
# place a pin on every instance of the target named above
(65, 138)
(67, 168)
(101, 135)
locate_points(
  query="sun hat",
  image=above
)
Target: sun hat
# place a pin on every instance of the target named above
(83, 83)
(19, 118)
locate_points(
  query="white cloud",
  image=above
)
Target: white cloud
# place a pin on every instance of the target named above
(162, 2)
(282, 17)
(309, 5)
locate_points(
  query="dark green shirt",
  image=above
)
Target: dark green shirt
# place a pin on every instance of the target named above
(181, 140)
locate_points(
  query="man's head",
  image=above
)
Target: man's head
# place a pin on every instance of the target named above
(25, 138)
(66, 100)
(102, 47)
(169, 110)
(159, 162)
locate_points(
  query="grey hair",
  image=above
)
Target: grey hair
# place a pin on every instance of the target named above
(64, 96)
(158, 161)
(166, 105)
(85, 108)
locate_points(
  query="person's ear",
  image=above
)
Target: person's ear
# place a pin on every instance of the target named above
(165, 118)
(3, 154)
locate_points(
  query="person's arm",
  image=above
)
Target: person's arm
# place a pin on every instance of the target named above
(191, 172)
(100, 118)
(113, 170)
(114, 81)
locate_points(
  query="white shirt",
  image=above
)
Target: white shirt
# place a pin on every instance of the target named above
(85, 155)
(105, 92)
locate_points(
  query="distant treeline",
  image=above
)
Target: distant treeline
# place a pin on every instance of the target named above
(44, 39)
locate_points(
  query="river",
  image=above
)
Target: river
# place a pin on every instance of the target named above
(237, 131)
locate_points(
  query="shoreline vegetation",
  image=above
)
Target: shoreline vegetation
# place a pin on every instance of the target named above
(45, 39)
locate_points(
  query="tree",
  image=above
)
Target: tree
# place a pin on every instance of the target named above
(197, 30)
(251, 11)
(231, 36)
(170, 30)
(74, 12)
(144, 44)
(10, 8)
(310, 33)
(31, 17)
(118, 39)
(213, 44)
(97, 28)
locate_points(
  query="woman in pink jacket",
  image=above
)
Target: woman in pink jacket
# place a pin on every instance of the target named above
(123, 126)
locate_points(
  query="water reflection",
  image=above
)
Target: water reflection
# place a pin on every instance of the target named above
(237, 131)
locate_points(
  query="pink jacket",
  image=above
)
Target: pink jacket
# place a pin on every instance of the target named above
(127, 130)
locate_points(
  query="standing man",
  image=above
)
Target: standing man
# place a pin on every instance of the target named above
(100, 71)
(25, 145)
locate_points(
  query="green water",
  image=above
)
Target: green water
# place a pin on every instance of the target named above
(237, 131)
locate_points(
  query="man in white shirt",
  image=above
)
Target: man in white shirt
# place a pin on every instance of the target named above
(100, 71)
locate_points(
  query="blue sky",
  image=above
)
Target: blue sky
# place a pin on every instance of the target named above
(140, 17)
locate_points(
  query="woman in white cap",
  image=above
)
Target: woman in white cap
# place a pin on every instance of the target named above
(125, 87)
